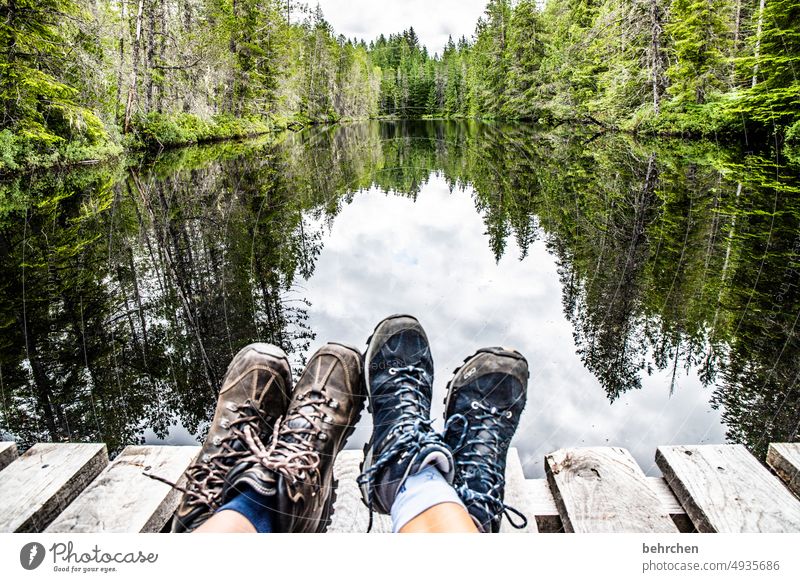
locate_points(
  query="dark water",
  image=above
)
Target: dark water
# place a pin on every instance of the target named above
(652, 285)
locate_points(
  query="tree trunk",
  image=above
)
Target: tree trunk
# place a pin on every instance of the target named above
(120, 71)
(737, 33)
(151, 52)
(655, 57)
(41, 382)
(757, 55)
(162, 49)
(135, 69)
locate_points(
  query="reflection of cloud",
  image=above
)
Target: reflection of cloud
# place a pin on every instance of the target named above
(387, 254)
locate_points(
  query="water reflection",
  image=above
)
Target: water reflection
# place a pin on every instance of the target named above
(653, 286)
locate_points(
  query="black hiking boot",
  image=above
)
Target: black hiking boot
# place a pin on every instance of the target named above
(295, 466)
(255, 391)
(484, 402)
(399, 378)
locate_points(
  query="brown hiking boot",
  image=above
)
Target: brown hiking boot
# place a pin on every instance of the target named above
(296, 466)
(255, 391)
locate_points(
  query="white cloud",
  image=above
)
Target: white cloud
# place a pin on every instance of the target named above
(433, 21)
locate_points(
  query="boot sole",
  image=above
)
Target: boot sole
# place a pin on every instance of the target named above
(367, 457)
(498, 351)
(263, 349)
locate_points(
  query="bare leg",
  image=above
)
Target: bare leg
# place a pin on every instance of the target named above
(442, 518)
(226, 522)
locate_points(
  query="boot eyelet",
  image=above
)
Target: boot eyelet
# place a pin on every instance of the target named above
(333, 403)
(217, 441)
(322, 436)
(494, 410)
(224, 423)
(206, 458)
(474, 405)
(232, 406)
(393, 371)
(508, 414)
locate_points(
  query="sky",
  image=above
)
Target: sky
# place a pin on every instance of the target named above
(433, 20)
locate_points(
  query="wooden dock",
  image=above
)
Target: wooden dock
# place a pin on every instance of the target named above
(64, 487)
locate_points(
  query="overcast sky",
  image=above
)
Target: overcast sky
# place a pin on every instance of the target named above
(433, 20)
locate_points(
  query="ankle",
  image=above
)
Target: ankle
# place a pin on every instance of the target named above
(420, 493)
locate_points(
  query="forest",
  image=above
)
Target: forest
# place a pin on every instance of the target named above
(82, 80)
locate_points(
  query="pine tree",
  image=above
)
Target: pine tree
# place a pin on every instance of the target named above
(700, 43)
(490, 61)
(36, 106)
(525, 53)
(775, 98)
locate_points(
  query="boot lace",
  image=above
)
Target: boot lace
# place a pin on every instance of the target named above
(487, 469)
(205, 477)
(290, 451)
(411, 433)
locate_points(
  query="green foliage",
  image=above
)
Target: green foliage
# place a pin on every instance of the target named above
(699, 33)
(41, 111)
(793, 133)
(775, 99)
(162, 130)
(76, 76)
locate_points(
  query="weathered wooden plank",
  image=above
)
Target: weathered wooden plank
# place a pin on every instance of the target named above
(671, 504)
(516, 495)
(123, 499)
(36, 487)
(784, 458)
(723, 488)
(543, 505)
(8, 452)
(349, 512)
(604, 490)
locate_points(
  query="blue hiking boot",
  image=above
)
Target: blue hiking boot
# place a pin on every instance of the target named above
(399, 377)
(484, 402)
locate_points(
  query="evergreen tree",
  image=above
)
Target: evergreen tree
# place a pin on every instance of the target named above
(525, 52)
(775, 98)
(700, 41)
(490, 59)
(36, 106)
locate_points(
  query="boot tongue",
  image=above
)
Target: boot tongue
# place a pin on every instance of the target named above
(297, 421)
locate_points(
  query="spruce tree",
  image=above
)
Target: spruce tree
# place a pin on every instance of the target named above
(700, 37)
(775, 98)
(525, 53)
(36, 106)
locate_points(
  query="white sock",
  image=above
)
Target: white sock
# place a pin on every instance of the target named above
(420, 492)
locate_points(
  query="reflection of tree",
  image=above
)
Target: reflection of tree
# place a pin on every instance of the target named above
(126, 292)
(137, 292)
(759, 393)
(606, 308)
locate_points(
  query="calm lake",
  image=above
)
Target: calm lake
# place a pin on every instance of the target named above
(654, 286)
